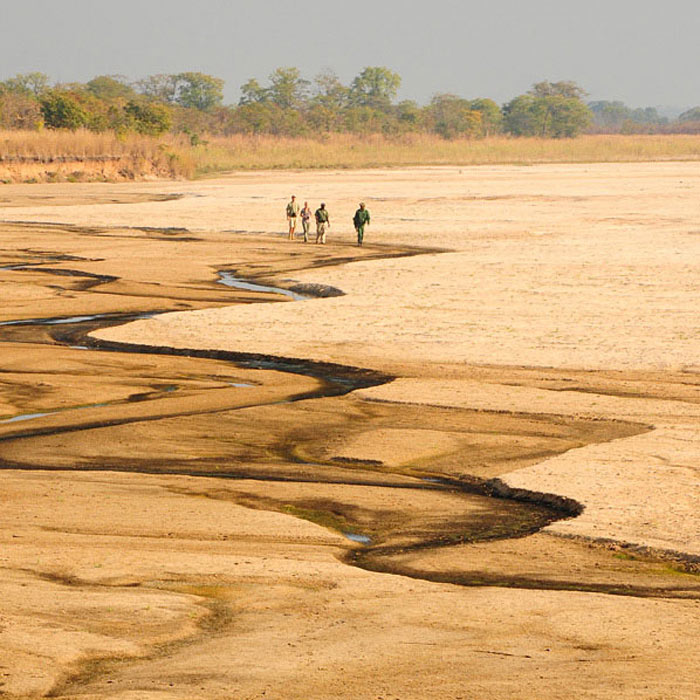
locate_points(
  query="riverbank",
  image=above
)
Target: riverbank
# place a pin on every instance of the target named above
(83, 156)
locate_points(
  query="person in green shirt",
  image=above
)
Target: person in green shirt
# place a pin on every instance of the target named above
(322, 223)
(361, 219)
(292, 213)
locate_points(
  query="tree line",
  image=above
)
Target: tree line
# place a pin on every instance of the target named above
(290, 105)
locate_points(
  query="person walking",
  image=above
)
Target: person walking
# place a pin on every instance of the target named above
(292, 213)
(323, 222)
(306, 220)
(360, 220)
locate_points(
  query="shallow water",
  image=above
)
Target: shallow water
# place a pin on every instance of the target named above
(60, 320)
(362, 539)
(27, 416)
(230, 280)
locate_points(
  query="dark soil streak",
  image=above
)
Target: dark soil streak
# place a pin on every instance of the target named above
(335, 380)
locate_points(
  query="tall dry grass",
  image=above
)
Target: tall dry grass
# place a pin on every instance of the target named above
(81, 143)
(174, 156)
(353, 151)
(136, 154)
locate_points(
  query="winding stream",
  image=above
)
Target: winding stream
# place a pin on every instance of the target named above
(334, 380)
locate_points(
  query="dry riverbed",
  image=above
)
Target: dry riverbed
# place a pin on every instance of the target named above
(472, 475)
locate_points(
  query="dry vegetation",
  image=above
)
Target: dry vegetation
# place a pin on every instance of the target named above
(60, 155)
(354, 151)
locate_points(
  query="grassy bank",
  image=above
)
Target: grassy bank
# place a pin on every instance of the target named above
(48, 155)
(349, 151)
(29, 156)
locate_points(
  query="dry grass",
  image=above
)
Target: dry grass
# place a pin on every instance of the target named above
(172, 156)
(351, 151)
(81, 143)
(40, 155)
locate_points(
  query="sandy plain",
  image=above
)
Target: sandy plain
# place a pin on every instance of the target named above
(172, 523)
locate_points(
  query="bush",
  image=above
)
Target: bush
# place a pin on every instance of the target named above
(61, 111)
(20, 112)
(149, 119)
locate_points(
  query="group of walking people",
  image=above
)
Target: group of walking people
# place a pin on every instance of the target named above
(323, 221)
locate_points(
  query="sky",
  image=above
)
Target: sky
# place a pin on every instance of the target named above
(642, 52)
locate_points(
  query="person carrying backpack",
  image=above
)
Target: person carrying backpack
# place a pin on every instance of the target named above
(292, 213)
(306, 220)
(322, 223)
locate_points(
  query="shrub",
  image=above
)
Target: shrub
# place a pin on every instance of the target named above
(151, 119)
(61, 111)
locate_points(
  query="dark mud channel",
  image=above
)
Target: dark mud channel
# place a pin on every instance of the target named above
(504, 515)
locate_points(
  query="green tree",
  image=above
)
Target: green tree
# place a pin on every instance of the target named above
(647, 115)
(563, 88)
(609, 114)
(62, 111)
(453, 116)
(252, 92)
(199, 90)
(375, 87)
(162, 87)
(564, 117)
(251, 118)
(553, 110)
(32, 84)
(367, 120)
(330, 92)
(328, 103)
(491, 115)
(288, 89)
(520, 116)
(152, 119)
(110, 87)
(409, 114)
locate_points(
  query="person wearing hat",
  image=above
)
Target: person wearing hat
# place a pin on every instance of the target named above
(292, 213)
(360, 220)
(322, 223)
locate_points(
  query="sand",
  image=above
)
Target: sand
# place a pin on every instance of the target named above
(547, 338)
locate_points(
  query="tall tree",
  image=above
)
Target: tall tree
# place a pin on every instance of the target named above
(329, 91)
(563, 88)
(288, 89)
(491, 115)
(328, 103)
(161, 86)
(375, 87)
(548, 110)
(110, 87)
(453, 116)
(609, 114)
(199, 90)
(252, 92)
(647, 115)
(31, 84)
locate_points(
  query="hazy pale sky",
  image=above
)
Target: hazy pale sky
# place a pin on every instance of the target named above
(643, 52)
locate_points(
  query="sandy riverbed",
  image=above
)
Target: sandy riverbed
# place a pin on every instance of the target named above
(562, 294)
